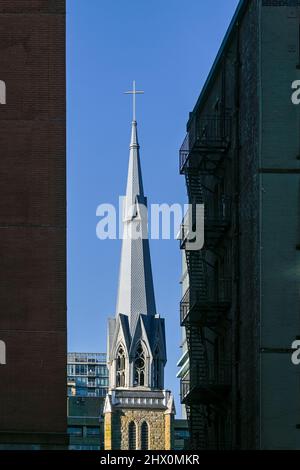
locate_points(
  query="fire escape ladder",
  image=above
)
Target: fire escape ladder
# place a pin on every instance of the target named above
(198, 366)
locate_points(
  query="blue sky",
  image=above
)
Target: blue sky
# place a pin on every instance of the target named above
(168, 47)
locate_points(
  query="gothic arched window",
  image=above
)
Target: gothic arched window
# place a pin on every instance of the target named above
(139, 366)
(120, 367)
(132, 436)
(145, 436)
(156, 368)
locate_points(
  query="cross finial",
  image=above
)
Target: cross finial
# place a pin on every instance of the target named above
(133, 92)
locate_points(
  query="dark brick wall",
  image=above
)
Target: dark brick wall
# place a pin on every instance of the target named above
(280, 3)
(32, 6)
(33, 216)
(235, 86)
(249, 248)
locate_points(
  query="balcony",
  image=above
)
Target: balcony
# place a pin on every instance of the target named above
(206, 383)
(205, 144)
(91, 373)
(216, 221)
(205, 306)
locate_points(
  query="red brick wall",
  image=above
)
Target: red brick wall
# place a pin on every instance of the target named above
(33, 216)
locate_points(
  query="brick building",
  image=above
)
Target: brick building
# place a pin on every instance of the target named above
(32, 224)
(240, 310)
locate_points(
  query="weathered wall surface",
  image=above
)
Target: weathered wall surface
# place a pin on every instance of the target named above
(280, 235)
(33, 217)
(160, 428)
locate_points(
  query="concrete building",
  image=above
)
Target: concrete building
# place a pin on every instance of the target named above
(181, 434)
(138, 410)
(32, 225)
(87, 388)
(241, 310)
(87, 375)
(85, 423)
(184, 360)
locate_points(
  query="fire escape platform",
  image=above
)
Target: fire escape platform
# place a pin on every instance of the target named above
(205, 313)
(205, 145)
(206, 394)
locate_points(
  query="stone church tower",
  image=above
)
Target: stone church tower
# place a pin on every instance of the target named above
(138, 411)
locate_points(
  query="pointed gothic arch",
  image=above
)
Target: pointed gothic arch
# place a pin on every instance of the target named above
(145, 436)
(120, 366)
(132, 436)
(140, 370)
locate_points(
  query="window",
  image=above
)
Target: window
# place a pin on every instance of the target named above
(139, 367)
(81, 381)
(101, 370)
(145, 436)
(181, 434)
(75, 430)
(101, 382)
(132, 436)
(71, 369)
(93, 431)
(101, 392)
(121, 367)
(81, 369)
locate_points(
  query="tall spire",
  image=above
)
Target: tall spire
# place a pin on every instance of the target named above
(135, 291)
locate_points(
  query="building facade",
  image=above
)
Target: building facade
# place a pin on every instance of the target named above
(87, 375)
(240, 158)
(181, 434)
(87, 388)
(85, 423)
(184, 360)
(138, 410)
(32, 224)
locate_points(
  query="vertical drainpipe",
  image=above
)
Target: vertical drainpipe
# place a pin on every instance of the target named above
(237, 242)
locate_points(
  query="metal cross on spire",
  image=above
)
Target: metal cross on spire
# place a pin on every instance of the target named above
(134, 92)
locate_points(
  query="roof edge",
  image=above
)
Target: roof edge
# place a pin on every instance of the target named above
(238, 15)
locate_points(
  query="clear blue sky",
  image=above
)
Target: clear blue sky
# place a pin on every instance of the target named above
(168, 47)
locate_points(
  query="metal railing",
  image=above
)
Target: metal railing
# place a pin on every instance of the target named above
(208, 375)
(91, 384)
(205, 132)
(184, 152)
(91, 373)
(215, 215)
(94, 358)
(210, 130)
(213, 292)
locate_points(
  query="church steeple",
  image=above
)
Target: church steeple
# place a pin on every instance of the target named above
(136, 349)
(135, 291)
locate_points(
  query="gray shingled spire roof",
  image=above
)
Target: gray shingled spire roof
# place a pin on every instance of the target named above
(135, 292)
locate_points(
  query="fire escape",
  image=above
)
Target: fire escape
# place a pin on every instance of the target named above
(206, 384)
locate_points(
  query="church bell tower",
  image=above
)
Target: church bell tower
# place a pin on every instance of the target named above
(138, 411)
